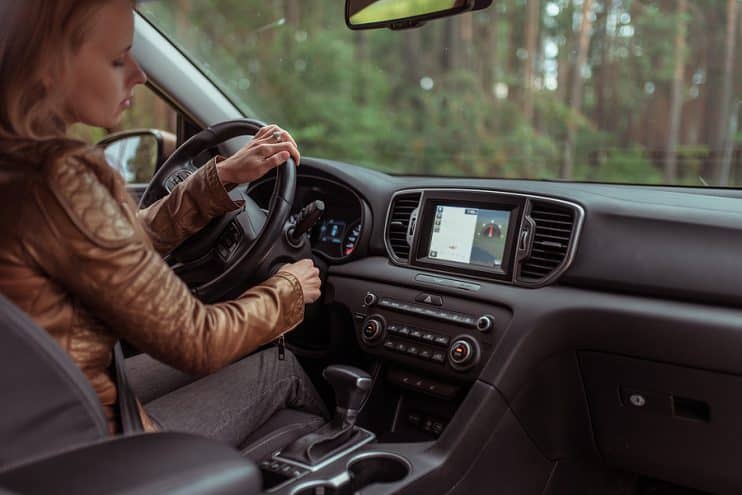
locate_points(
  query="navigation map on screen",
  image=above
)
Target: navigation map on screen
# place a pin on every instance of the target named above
(469, 235)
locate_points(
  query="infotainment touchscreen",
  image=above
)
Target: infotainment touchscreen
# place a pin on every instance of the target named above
(472, 236)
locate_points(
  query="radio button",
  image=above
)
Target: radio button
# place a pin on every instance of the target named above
(469, 320)
(442, 340)
(370, 299)
(485, 323)
(464, 353)
(426, 354)
(389, 344)
(461, 352)
(416, 334)
(372, 329)
(439, 357)
(403, 330)
(428, 337)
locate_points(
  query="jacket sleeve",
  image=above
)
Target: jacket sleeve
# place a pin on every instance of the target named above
(101, 259)
(187, 209)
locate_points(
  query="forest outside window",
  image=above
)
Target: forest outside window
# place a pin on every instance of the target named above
(630, 91)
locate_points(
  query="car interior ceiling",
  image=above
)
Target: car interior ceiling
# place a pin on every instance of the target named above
(589, 342)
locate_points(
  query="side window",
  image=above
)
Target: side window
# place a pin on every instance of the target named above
(137, 161)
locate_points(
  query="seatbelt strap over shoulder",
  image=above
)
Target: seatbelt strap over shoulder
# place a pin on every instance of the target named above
(131, 422)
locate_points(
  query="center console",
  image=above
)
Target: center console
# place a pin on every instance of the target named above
(431, 334)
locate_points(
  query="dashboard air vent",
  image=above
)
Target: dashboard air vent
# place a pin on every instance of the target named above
(552, 235)
(399, 220)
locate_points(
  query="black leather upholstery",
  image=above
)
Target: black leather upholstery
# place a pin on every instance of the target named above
(54, 437)
(169, 463)
(47, 403)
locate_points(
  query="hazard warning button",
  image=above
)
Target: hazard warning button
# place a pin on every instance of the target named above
(429, 299)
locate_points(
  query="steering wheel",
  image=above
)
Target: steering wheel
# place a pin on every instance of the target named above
(242, 247)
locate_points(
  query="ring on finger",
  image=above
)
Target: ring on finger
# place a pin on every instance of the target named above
(278, 136)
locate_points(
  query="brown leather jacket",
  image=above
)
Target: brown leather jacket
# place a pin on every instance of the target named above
(77, 256)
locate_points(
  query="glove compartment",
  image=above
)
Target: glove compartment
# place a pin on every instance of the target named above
(666, 421)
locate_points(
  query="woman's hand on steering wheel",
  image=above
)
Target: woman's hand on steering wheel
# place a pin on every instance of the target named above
(270, 147)
(308, 276)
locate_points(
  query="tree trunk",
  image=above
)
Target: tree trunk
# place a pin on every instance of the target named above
(292, 12)
(604, 78)
(676, 97)
(486, 54)
(722, 173)
(361, 58)
(465, 39)
(563, 59)
(533, 17)
(575, 95)
(447, 47)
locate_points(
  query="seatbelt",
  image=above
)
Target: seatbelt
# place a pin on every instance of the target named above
(131, 421)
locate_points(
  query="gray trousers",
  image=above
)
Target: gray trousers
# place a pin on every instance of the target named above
(227, 405)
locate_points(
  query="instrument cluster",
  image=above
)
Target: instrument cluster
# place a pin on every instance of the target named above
(337, 234)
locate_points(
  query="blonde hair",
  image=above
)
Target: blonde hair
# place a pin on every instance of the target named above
(37, 38)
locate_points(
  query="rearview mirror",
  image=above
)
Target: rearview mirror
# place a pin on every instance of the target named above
(403, 14)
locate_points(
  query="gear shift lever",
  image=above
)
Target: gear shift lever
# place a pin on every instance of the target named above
(351, 386)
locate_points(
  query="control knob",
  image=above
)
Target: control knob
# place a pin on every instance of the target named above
(370, 299)
(463, 353)
(372, 329)
(485, 323)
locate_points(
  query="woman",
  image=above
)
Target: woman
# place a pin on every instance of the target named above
(77, 256)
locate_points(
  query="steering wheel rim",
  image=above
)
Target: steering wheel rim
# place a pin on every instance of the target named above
(241, 268)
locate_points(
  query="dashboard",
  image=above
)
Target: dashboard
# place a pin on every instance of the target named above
(604, 317)
(580, 300)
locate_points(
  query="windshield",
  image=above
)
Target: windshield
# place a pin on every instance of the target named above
(591, 90)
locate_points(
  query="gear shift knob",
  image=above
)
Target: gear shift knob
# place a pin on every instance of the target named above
(351, 385)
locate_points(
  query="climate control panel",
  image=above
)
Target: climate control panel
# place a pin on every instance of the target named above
(426, 331)
(460, 353)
